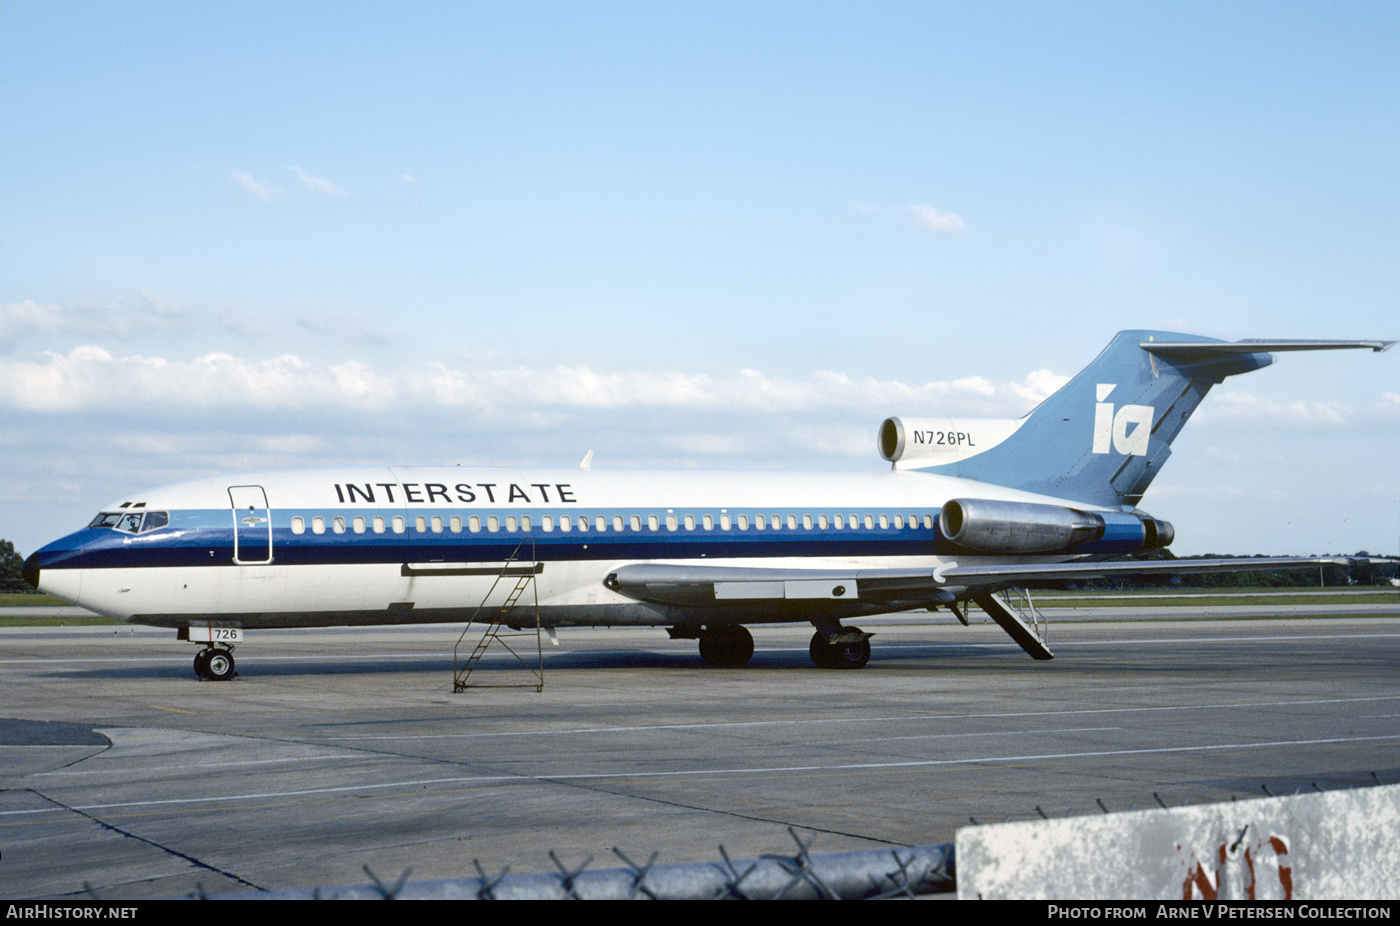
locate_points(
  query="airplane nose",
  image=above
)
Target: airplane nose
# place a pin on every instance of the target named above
(30, 570)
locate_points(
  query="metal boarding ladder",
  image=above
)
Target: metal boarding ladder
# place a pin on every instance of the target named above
(1020, 618)
(524, 579)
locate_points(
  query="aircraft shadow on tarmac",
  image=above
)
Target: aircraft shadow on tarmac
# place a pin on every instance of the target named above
(252, 666)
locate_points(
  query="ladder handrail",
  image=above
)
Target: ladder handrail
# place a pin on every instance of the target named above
(460, 673)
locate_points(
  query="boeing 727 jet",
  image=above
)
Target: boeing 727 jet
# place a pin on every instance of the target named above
(967, 508)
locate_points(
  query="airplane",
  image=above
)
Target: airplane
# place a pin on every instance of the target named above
(968, 508)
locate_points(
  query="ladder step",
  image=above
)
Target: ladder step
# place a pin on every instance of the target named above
(1020, 629)
(492, 634)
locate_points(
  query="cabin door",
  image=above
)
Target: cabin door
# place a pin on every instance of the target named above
(252, 525)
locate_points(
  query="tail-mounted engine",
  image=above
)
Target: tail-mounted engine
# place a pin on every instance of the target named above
(1016, 528)
(910, 443)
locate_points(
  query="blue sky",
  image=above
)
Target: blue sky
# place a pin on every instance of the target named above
(689, 234)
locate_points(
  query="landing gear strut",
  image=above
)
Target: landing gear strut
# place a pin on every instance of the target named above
(215, 664)
(728, 646)
(852, 653)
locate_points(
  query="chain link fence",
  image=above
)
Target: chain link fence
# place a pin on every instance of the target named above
(865, 875)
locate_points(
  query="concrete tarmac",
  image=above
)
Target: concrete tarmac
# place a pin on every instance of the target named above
(344, 748)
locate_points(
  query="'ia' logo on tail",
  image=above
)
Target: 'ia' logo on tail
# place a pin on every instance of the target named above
(1109, 427)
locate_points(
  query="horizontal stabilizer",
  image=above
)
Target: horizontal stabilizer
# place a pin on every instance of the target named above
(1197, 349)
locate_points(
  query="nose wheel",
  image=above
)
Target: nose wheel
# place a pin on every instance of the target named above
(215, 664)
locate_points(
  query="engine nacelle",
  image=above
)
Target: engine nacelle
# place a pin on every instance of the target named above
(1017, 528)
(913, 442)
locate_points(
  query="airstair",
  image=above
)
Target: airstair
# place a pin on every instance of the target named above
(499, 632)
(1018, 616)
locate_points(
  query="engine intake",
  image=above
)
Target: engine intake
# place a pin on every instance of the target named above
(1015, 528)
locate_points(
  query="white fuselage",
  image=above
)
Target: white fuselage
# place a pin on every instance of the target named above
(424, 545)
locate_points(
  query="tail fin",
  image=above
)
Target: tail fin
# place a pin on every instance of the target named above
(1103, 437)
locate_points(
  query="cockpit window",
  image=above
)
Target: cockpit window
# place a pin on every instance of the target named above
(131, 522)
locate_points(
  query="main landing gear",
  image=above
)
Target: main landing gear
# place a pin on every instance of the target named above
(848, 649)
(215, 663)
(726, 646)
(731, 645)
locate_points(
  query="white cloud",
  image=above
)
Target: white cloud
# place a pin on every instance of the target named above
(317, 184)
(92, 378)
(924, 216)
(1247, 408)
(929, 218)
(19, 320)
(257, 188)
(355, 329)
(246, 323)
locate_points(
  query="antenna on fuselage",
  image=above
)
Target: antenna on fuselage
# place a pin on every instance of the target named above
(587, 461)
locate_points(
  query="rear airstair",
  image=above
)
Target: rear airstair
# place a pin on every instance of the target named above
(1019, 617)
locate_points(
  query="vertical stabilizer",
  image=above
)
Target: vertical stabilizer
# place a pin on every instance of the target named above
(1103, 437)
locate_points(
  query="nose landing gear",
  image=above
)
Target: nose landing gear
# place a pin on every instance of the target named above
(215, 664)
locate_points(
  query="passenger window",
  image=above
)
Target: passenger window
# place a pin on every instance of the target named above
(398, 524)
(600, 523)
(493, 524)
(618, 523)
(670, 522)
(525, 522)
(884, 522)
(565, 523)
(724, 522)
(690, 522)
(899, 522)
(437, 524)
(870, 522)
(636, 522)
(547, 524)
(743, 522)
(455, 524)
(318, 525)
(837, 522)
(298, 526)
(358, 525)
(653, 523)
(583, 522)
(474, 524)
(760, 523)
(420, 524)
(792, 522)
(806, 522)
(510, 523)
(378, 525)
(338, 525)
(708, 522)
(822, 522)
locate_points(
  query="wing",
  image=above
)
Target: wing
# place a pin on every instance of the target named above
(711, 586)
